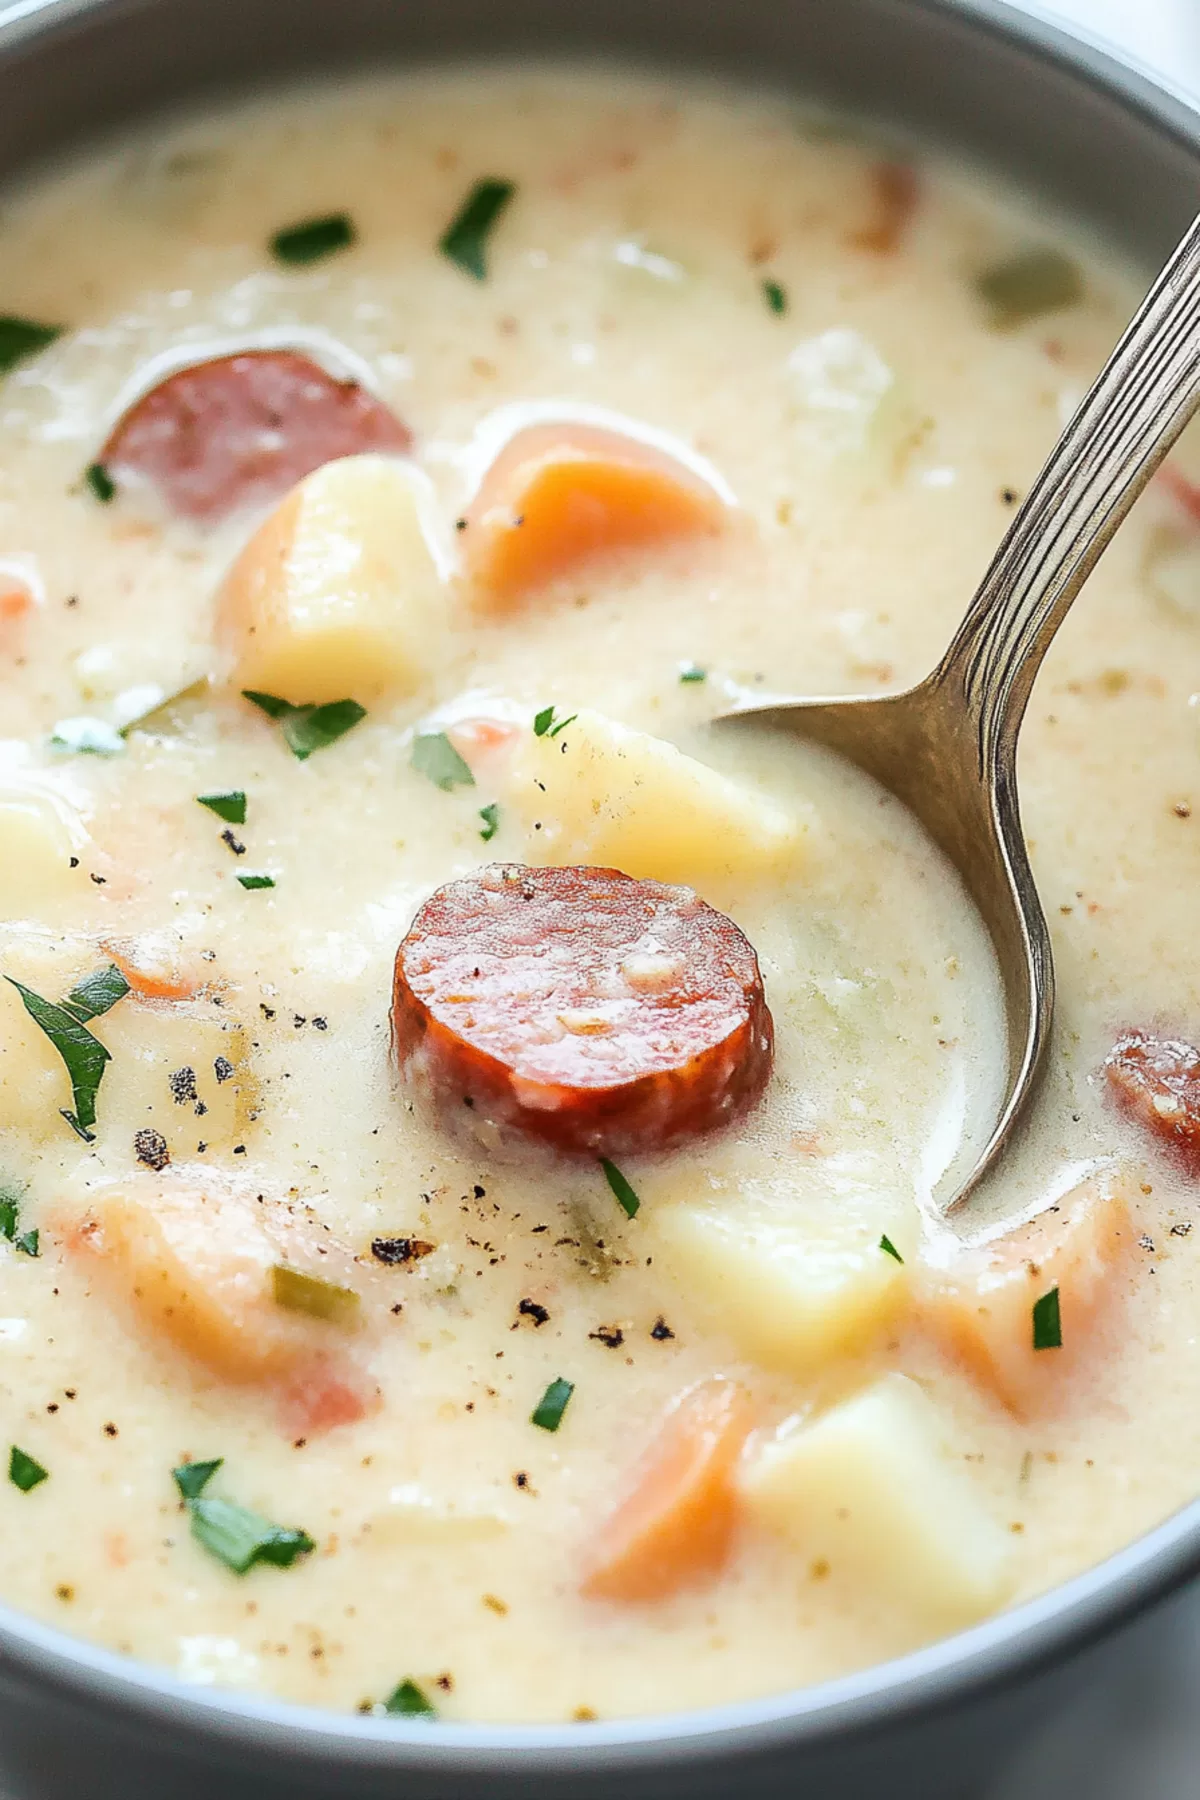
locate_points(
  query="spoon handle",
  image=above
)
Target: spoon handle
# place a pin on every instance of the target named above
(1122, 430)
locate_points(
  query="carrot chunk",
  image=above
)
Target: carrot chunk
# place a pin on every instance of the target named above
(15, 601)
(198, 1263)
(559, 495)
(152, 970)
(676, 1524)
(980, 1300)
(895, 191)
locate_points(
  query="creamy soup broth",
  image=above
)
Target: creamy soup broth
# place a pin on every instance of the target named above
(741, 279)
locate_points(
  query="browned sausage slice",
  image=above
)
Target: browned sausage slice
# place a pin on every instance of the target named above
(605, 1015)
(1157, 1082)
(238, 431)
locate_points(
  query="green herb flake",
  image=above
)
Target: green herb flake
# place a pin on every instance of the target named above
(434, 756)
(1047, 1322)
(889, 1249)
(1027, 286)
(692, 672)
(271, 704)
(490, 815)
(100, 482)
(775, 295)
(230, 806)
(545, 724)
(87, 737)
(96, 993)
(626, 1196)
(85, 1057)
(308, 728)
(251, 882)
(21, 338)
(548, 1412)
(312, 240)
(408, 1701)
(240, 1538)
(464, 240)
(298, 1292)
(10, 1212)
(23, 1471)
(192, 1478)
(29, 1242)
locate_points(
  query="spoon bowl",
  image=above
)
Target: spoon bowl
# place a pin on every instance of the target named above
(947, 748)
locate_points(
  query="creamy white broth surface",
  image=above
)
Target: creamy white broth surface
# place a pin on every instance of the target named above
(871, 429)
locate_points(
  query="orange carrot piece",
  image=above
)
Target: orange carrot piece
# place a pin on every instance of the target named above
(675, 1527)
(896, 190)
(980, 1302)
(151, 970)
(559, 495)
(15, 602)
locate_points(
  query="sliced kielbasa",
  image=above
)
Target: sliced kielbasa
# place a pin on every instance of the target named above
(602, 1014)
(1157, 1082)
(238, 431)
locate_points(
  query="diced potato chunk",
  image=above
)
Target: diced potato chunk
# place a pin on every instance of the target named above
(562, 493)
(602, 793)
(796, 1284)
(979, 1299)
(195, 1258)
(179, 1068)
(874, 1490)
(338, 594)
(39, 834)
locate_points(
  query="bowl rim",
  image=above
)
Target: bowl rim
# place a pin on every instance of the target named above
(988, 1657)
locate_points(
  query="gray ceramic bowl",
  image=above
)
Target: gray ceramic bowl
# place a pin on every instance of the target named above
(1094, 136)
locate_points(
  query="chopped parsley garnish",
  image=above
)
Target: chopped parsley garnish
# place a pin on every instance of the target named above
(229, 806)
(775, 295)
(308, 728)
(434, 756)
(101, 483)
(626, 1197)
(550, 1408)
(409, 1702)
(464, 240)
(1028, 285)
(96, 993)
(10, 1213)
(240, 1538)
(23, 1471)
(85, 1056)
(689, 672)
(1047, 1322)
(490, 815)
(235, 1536)
(87, 737)
(313, 239)
(192, 1478)
(298, 1292)
(545, 725)
(250, 882)
(889, 1249)
(20, 338)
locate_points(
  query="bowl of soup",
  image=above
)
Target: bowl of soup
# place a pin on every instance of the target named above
(477, 1307)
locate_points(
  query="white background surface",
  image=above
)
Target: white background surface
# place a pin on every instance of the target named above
(1136, 1734)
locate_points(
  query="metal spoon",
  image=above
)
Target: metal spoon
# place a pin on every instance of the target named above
(948, 746)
